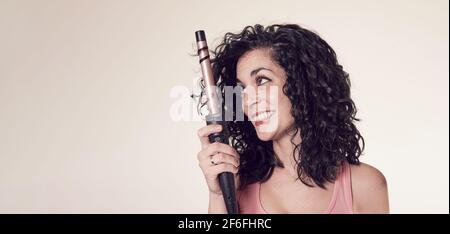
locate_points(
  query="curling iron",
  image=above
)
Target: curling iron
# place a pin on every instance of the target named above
(226, 179)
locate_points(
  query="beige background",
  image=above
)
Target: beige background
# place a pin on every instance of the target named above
(85, 98)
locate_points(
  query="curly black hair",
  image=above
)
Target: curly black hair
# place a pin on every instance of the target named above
(319, 91)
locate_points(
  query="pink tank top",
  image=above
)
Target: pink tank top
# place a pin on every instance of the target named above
(341, 200)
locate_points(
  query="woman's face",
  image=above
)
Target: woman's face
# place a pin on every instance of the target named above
(264, 102)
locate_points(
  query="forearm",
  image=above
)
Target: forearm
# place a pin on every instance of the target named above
(216, 204)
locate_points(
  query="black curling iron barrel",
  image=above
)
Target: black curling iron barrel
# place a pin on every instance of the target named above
(215, 107)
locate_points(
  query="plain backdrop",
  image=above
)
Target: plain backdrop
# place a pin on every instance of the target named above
(85, 97)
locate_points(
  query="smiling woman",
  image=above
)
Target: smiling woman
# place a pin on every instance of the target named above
(297, 150)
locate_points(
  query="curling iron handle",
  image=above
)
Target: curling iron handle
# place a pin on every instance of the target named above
(226, 179)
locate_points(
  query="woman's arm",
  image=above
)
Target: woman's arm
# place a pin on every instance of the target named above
(217, 203)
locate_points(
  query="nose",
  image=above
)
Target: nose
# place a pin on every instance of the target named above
(251, 98)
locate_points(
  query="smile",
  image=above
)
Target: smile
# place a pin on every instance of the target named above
(262, 116)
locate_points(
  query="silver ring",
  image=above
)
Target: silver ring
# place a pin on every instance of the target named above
(212, 160)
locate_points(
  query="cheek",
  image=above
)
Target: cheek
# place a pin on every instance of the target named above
(287, 119)
(276, 99)
(283, 107)
(244, 103)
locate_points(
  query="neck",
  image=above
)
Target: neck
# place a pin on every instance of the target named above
(284, 149)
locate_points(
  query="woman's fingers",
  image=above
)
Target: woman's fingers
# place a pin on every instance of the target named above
(218, 147)
(215, 148)
(224, 158)
(207, 130)
(212, 172)
(215, 158)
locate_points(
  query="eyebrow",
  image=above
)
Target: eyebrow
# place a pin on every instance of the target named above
(254, 72)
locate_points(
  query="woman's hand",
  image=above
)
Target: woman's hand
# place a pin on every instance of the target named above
(215, 158)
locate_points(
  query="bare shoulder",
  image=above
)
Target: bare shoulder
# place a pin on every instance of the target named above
(369, 186)
(365, 175)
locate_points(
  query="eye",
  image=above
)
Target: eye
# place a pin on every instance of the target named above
(260, 80)
(240, 85)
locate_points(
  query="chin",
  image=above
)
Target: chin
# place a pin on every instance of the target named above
(265, 136)
(266, 132)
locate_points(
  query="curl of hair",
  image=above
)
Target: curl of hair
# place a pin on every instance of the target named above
(319, 91)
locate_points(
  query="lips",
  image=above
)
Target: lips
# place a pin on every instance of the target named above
(261, 117)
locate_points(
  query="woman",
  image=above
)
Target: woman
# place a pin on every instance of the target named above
(297, 150)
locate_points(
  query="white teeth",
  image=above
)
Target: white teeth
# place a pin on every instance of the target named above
(262, 116)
